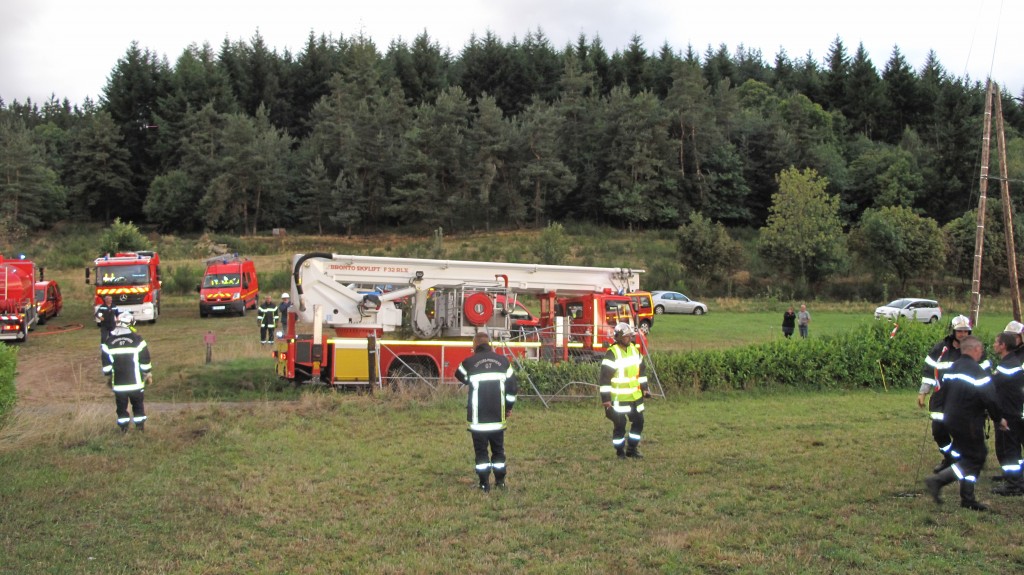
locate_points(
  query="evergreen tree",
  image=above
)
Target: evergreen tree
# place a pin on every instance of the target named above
(31, 196)
(98, 166)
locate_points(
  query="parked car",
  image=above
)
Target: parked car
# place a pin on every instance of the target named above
(49, 301)
(925, 310)
(675, 302)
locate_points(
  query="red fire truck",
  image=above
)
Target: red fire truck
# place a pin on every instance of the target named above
(132, 279)
(354, 333)
(18, 314)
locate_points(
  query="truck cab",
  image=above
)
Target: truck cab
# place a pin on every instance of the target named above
(49, 301)
(643, 307)
(229, 286)
(132, 280)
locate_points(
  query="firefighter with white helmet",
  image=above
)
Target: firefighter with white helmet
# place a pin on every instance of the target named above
(282, 313)
(126, 364)
(1008, 381)
(623, 387)
(936, 363)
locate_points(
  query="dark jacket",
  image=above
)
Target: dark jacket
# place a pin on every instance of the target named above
(1008, 381)
(492, 388)
(125, 359)
(969, 396)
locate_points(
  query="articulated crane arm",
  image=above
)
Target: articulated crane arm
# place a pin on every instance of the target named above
(334, 281)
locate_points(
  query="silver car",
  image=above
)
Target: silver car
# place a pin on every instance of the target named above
(926, 310)
(675, 302)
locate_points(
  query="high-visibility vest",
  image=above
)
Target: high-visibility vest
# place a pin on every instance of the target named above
(625, 381)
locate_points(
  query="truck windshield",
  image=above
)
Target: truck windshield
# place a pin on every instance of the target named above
(125, 275)
(222, 280)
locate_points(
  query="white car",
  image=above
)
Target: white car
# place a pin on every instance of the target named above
(675, 302)
(924, 310)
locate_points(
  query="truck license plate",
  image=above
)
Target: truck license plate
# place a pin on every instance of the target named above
(218, 308)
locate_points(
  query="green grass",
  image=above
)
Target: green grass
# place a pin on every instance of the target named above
(745, 483)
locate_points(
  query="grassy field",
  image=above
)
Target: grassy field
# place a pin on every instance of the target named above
(343, 483)
(350, 483)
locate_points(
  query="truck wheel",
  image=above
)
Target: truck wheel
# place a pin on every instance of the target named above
(242, 313)
(645, 326)
(413, 376)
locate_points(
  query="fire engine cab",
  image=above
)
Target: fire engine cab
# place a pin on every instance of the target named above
(132, 279)
(420, 327)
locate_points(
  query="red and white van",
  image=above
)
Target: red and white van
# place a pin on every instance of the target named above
(229, 286)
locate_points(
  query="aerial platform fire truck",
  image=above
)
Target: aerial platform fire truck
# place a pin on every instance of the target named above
(378, 321)
(132, 279)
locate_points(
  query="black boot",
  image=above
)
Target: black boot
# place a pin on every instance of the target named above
(935, 483)
(946, 462)
(1012, 486)
(634, 452)
(967, 500)
(484, 486)
(620, 453)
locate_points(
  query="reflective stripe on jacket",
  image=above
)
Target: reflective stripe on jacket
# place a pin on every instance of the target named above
(125, 359)
(623, 378)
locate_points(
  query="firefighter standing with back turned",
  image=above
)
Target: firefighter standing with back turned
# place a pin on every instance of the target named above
(492, 395)
(125, 359)
(267, 319)
(1008, 381)
(623, 387)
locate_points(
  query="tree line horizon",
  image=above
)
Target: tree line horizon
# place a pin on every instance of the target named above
(342, 137)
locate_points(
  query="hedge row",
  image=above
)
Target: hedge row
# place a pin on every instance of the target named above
(8, 363)
(864, 358)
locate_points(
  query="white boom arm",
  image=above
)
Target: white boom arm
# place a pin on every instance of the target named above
(324, 279)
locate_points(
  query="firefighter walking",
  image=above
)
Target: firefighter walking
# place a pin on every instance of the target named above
(267, 313)
(125, 359)
(623, 387)
(938, 360)
(969, 398)
(492, 394)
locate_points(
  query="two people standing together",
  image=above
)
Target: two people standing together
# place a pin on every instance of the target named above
(790, 319)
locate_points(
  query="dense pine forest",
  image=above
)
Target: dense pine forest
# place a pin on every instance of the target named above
(826, 160)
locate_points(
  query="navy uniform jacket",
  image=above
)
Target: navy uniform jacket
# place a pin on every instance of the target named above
(492, 388)
(970, 395)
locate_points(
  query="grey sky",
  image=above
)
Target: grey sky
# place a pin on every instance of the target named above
(68, 48)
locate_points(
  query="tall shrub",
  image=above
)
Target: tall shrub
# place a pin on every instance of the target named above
(8, 362)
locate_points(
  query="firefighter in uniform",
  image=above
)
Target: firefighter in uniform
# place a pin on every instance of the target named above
(106, 317)
(1008, 380)
(125, 359)
(623, 387)
(938, 360)
(267, 313)
(492, 395)
(282, 312)
(969, 395)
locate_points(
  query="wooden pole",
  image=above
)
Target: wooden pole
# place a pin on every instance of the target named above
(979, 235)
(1004, 180)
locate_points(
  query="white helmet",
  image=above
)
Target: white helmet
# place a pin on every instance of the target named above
(960, 323)
(286, 295)
(125, 319)
(1014, 327)
(623, 328)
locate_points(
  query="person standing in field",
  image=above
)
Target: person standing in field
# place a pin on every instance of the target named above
(282, 312)
(938, 360)
(267, 314)
(970, 398)
(803, 319)
(106, 317)
(126, 363)
(1008, 381)
(493, 386)
(623, 387)
(788, 322)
